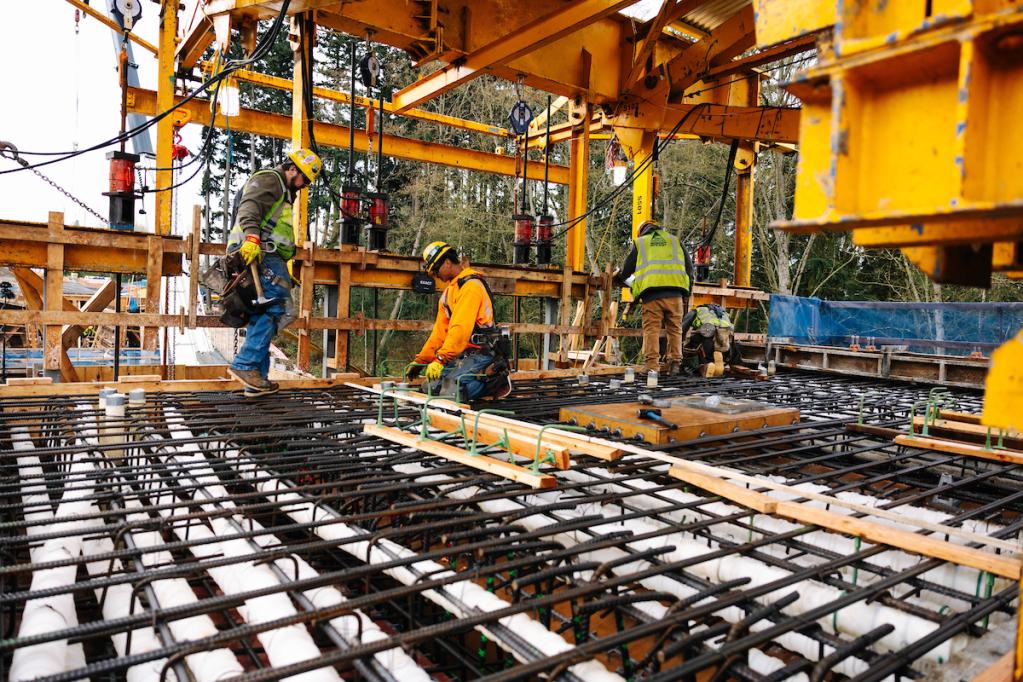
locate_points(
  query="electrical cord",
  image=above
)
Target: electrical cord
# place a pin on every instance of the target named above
(261, 49)
(639, 168)
(709, 237)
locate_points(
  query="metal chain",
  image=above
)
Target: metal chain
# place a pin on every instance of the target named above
(101, 218)
(9, 151)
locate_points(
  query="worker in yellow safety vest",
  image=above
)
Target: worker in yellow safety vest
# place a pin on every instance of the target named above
(263, 234)
(711, 335)
(466, 354)
(659, 272)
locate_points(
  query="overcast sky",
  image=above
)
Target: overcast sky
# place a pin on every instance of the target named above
(47, 68)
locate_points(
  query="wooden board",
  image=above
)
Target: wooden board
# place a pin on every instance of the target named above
(512, 472)
(998, 564)
(490, 434)
(1000, 671)
(960, 448)
(692, 423)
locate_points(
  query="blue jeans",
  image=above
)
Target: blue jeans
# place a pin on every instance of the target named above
(255, 352)
(452, 377)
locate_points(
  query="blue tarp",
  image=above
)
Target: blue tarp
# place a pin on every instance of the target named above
(949, 328)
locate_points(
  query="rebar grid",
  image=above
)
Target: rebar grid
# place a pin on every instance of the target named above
(440, 558)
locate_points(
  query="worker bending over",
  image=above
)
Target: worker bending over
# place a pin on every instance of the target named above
(263, 234)
(466, 352)
(711, 335)
(659, 272)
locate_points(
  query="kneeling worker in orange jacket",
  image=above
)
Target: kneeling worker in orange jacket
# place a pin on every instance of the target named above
(466, 352)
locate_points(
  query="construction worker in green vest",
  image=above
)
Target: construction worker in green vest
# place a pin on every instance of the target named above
(659, 272)
(263, 234)
(711, 335)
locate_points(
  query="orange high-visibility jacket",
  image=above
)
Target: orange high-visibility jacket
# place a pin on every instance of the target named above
(464, 306)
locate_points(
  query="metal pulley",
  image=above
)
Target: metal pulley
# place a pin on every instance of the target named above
(126, 12)
(369, 70)
(519, 117)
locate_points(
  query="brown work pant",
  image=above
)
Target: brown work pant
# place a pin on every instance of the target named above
(670, 312)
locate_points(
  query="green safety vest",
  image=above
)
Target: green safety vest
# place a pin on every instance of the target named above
(705, 315)
(276, 224)
(660, 262)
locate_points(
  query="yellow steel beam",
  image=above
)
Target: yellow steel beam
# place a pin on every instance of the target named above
(731, 38)
(639, 146)
(745, 164)
(781, 20)
(670, 11)
(535, 34)
(765, 56)
(164, 102)
(575, 252)
(331, 135)
(539, 122)
(345, 98)
(305, 29)
(107, 21)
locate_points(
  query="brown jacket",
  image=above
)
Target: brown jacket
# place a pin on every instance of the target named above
(258, 196)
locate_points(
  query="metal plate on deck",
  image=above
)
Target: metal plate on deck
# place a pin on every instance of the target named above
(720, 404)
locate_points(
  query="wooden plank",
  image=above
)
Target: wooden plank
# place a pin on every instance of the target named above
(183, 386)
(305, 310)
(998, 564)
(154, 281)
(344, 295)
(1000, 671)
(511, 472)
(744, 496)
(960, 448)
(605, 450)
(30, 381)
(518, 443)
(967, 428)
(96, 303)
(140, 378)
(960, 416)
(53, 299)
(193, 268)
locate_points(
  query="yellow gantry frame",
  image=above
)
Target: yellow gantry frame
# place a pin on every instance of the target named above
(582, 51)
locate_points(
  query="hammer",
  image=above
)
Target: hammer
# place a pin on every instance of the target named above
(655, 416)
(260, 298)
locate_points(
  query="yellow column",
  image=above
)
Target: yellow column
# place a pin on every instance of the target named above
(164, 147)
(640, 149)
(164, 101)
(304, 27)
(745, 163)
(578, 173)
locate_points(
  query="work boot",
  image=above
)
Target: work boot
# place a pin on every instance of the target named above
(255, 393)
(719, 363)
(707, 371)
(673, 368)
(253, 381)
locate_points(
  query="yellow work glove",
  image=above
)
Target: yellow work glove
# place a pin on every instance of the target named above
(433, 371)
(250, 249)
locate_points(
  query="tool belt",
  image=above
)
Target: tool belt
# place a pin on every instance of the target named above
(490, 340)
(232, 280)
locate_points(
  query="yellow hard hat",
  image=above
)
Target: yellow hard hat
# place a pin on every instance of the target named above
(306, 161)
(433, 254)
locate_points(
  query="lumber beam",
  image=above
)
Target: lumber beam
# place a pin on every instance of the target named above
(542, 31)
(511, 472)
(96, 303)
(516, 443)
(960, 448)
(331, 135)
(998, 564)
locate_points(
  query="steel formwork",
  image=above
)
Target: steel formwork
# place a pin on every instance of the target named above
(279, 520)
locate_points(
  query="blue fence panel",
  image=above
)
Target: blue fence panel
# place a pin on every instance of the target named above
(950, 328)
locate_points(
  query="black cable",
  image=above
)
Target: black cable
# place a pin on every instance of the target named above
(709, 237)
(629, 179)
(230, 68)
